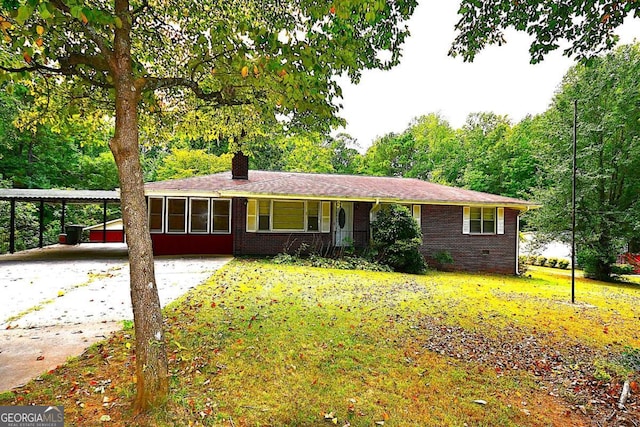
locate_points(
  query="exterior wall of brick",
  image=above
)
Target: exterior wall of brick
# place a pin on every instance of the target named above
(494, 253)
(361, 225)
(268, 243)
(441, 229)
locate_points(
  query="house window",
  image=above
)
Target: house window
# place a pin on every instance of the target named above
(221, 214)
(156, 206)
(482, 220)
(264, 215)
(288, 216)
(313, 216)
(199, 216)
(176, 215)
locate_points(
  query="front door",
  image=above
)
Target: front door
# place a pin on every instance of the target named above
(344, 224)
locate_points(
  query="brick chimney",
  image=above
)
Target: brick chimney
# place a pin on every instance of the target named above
(240, 166)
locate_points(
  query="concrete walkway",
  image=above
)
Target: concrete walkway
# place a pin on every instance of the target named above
(57, 301)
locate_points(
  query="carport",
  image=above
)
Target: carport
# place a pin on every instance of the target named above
(62, 197)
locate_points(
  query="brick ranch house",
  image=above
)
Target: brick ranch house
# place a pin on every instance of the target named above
(246, 212)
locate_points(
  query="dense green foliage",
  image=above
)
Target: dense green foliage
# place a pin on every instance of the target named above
(608, 160)
(397, 238)
(529, 159)
(488, 154)
(584, 27)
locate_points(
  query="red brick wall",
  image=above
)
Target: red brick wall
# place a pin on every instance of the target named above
(442, 231)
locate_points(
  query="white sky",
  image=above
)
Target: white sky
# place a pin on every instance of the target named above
(500, 80)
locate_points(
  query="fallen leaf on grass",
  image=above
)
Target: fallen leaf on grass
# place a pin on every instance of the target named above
(480, 402)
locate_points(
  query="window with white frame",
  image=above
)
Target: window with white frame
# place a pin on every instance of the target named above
(156, 209)
(264, 215)
(221, 214)
(288, 215)
(176, 215)
(199, 216)
(313, 216)
(483, 220)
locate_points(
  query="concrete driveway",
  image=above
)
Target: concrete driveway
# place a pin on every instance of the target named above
(57, 301)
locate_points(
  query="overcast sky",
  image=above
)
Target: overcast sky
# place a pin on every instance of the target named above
(500, 80)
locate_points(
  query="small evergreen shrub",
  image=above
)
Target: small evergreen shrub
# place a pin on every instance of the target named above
(443, 257)
(397, 238)
(620, 269)
(563, 264)
(541, 261)
(552, 262)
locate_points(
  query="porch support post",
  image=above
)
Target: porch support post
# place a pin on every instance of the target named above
(41, 226)
(12, 227)
(64, 209)
(104, 221)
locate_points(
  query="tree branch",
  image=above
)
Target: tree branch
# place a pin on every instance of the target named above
(96, 62)
(91, 33)
(35, 67)
(221, 97)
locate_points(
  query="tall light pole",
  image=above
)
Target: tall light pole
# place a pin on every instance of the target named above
(573, 203)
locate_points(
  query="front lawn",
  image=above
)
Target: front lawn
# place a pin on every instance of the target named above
(268, 345)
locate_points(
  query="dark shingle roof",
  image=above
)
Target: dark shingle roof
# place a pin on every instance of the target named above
(329, 186)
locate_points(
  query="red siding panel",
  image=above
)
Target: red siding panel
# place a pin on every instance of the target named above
(192, 244)
(113, 236)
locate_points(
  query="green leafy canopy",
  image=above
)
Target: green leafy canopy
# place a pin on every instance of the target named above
(587, 27)
(279, 57)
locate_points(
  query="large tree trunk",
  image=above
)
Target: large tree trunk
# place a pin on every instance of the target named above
(151, 358)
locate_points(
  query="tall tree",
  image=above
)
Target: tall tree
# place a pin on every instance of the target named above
(586, 26)
(279, 57)
(608, 184)
(438, 151)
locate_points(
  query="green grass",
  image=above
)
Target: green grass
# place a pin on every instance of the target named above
(261, 344)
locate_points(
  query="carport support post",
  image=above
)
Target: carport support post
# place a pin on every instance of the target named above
(12, 226)
(104, 221)
(41, 228)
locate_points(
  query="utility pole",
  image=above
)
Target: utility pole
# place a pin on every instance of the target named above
(573, 203)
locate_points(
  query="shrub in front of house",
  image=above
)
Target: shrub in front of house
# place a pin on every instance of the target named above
(621, 269)
(396, 237)
(541, 261)
(563, 264)
(341, 263)
(552, 262)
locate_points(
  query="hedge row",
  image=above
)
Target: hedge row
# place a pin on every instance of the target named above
(543, 261)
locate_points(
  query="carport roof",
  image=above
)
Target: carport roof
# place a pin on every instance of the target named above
(59, 196)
